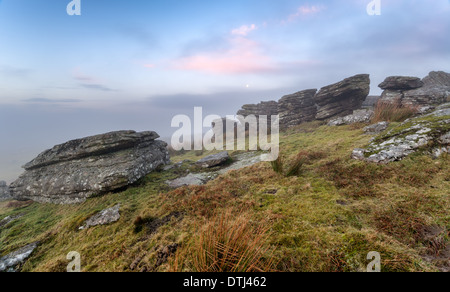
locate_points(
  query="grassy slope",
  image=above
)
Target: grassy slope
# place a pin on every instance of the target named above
(326, 219)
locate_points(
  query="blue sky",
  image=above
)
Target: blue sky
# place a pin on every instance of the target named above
(135, 64)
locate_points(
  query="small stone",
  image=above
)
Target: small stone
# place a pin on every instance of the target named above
(189, 180)
(376, 128)
(214, 160)
(10, 262)
(106, 216)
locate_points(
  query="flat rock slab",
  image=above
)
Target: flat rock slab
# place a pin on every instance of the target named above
(401, 83)
(409, 137)
(9, 262)
(74, 171)
(106, 216)
(358, 116)
(191, 179)
(214, 160)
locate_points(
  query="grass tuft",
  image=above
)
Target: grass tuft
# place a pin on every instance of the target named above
(393, 112)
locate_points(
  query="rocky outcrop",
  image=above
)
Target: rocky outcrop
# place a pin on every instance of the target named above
(297, 108)
(358, 116)
(12, 261)
(342, 98)
(429, 133)
(401, 83)
(408, 91)
(214, 160)
(76, 170)
(105, 217)
(335, 100)
(268, 108)
(4, 192)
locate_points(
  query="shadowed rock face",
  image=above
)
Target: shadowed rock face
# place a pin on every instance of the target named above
(401, 83)
(74, 171)
(297, 108)
(4, 191)
(342, 98)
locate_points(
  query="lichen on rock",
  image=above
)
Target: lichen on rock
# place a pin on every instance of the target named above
(427, 132)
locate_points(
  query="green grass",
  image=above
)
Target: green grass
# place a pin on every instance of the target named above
(328, 217)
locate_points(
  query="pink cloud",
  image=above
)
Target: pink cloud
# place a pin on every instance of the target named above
(243, 56)
(149, 66)
(304, 11)
(244, 30)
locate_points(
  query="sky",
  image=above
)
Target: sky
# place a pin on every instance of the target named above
(136, 64)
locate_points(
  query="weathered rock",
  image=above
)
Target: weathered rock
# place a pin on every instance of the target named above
(105, 217)
(76, 170)
(10, 262)
(401, 83)
(435, 89)
(297, 108)
(4, 192)
(437, 78)
(358, 116)
(407, 138)
(426, 96)
(376, 128)
(214, 160)
(392, 96)
(9, 219)
(342, 98)
(268, 109)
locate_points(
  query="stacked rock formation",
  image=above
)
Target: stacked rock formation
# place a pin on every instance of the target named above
(76, 170)
(336, 100)
(411, 91)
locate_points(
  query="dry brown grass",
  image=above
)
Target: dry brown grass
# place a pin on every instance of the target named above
(393, 112)
(229, 243)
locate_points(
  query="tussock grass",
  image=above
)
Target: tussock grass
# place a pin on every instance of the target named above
(229, 243)
(393, 112)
